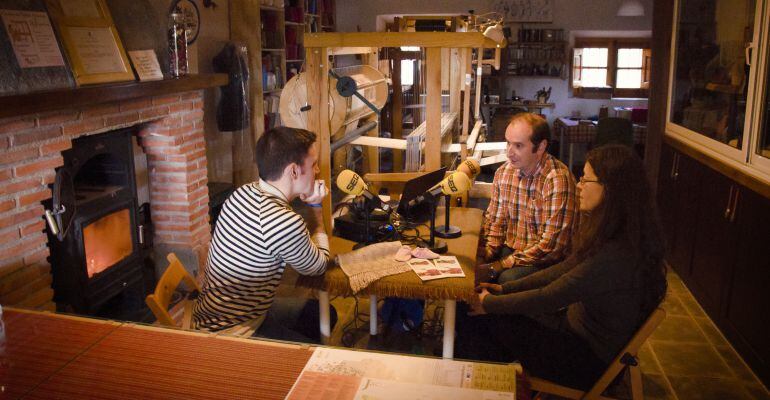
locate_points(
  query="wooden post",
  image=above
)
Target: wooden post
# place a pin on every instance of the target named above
(397, 114)
(317, 69)
(372, 160)
(456, 77)
(432, 148)
(244, 16)
(467, 70)
(479, 59)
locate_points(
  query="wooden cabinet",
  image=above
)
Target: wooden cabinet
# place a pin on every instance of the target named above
(713, 252)
(717, 235)
(747, 322)
(678, 206)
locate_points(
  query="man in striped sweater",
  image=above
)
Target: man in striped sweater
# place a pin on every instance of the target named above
(257, 235)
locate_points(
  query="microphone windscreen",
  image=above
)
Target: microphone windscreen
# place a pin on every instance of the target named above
(470, 167)
(350, 182)
(456, 183)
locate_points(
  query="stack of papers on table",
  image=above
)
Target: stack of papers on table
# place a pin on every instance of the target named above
(442, 267)
(347, 375)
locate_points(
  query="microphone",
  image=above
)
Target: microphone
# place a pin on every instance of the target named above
(470, 167)
(351, 183)
(454, 184)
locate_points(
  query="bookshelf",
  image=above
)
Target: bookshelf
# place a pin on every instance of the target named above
(283, 25)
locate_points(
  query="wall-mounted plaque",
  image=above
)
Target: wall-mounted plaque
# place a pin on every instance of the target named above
(32, 38)
(31, 58)
(146, 65)
(91, 41)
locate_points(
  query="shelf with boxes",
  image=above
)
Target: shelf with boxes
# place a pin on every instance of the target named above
(537, 53)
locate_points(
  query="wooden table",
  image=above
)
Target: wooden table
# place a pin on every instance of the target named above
(55, 356)
(51, 356)
(408, 284)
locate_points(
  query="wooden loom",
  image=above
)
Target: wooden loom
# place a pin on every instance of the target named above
(320, 46)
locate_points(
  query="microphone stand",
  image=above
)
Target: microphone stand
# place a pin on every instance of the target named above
(437, 246)
(366, 226)
(447, 231)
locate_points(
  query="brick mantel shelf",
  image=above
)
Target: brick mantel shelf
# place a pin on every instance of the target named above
(36, 128)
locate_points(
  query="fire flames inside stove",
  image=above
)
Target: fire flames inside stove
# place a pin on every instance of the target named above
(107, 241)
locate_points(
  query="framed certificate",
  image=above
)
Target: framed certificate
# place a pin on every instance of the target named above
(91, 41)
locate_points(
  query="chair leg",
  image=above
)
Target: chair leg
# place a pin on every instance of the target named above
(637, 391)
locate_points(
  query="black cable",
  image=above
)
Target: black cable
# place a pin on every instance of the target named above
(348, 332)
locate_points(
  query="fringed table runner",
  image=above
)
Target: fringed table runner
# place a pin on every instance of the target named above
(367, 264)
(408, 284)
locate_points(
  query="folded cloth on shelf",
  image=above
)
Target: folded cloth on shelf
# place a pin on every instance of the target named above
(367, 264)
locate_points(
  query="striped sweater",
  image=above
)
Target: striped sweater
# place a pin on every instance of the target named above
(257, 234)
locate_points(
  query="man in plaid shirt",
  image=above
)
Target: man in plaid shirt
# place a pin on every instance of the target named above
(533, 209)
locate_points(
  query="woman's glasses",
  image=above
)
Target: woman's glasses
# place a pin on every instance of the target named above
(583, 180)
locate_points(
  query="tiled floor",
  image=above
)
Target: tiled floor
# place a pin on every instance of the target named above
(686, 358)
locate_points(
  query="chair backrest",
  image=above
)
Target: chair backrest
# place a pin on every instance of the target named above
(614, 130)
(164, 291)
(628, 352)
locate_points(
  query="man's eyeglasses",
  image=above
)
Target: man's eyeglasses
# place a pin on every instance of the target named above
(583, 180)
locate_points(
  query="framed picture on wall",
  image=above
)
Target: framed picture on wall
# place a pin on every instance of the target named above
(91, 41)
(524, 10)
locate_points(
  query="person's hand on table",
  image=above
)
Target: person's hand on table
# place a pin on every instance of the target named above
(477, 307)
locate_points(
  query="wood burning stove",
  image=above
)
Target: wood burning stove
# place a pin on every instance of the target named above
(97, 253)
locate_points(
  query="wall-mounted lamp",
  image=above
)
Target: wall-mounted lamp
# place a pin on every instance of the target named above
(495, 32)
(631, 8)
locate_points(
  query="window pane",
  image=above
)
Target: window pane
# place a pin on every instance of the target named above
(595, 57)
(710, 71)
(407, 72)
(594, 77)
(629, 79)
(630, 58)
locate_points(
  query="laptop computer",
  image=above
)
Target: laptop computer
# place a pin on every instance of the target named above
(415, 187)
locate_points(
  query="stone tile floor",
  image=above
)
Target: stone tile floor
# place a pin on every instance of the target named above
(685, 358)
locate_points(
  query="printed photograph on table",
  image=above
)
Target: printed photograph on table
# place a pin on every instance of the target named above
(442, 267)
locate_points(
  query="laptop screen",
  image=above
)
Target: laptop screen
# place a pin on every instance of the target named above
(415, 187)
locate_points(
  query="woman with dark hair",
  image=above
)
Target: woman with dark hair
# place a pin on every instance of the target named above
(566, 323)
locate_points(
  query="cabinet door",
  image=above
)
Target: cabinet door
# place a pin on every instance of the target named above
(746, 310)
(667, 199)
(678, 201)
(714, 248)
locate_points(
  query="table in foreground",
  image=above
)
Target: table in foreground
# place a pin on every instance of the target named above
(55, 356)
(51, 356)
(408, 284)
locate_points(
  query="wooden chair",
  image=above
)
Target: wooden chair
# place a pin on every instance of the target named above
(614, 131)
(164, 292)
(626, 359)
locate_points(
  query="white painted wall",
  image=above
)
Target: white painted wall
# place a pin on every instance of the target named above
(584, 17)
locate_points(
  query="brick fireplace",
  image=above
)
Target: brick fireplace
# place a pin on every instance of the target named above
(170, 132)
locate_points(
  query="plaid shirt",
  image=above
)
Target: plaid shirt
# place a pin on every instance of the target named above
(535, 215)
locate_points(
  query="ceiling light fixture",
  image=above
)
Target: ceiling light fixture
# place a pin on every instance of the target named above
(631, 8)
